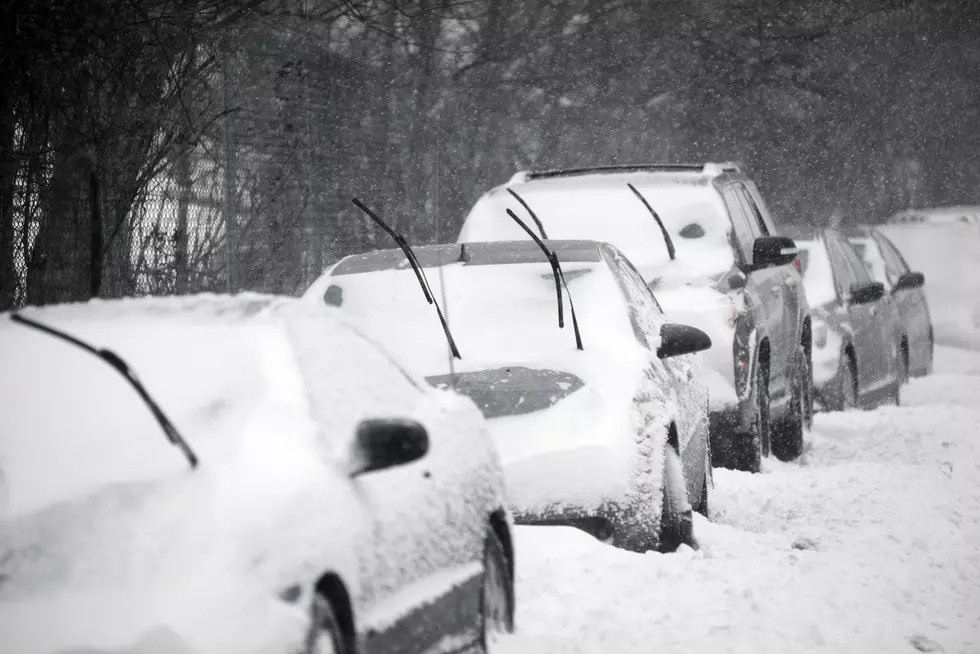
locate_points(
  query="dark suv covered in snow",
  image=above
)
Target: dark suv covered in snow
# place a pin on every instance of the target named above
(705, 242)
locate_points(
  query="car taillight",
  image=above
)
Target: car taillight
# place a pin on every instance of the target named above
(798, 264)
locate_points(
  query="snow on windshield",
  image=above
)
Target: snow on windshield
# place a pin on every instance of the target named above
(498, 314)
(606, 210)
(818, 276)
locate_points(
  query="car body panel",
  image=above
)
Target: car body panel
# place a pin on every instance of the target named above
(867, 332)
(771, 306)
(272, 505)
(619, 398)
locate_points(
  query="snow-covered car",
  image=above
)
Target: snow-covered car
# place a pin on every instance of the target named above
(704, 241)
(601, 425)
(857, 332)
(888, 266)
(282, 486)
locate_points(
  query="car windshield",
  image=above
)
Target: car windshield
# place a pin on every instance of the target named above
(607, 210)
(503, 313)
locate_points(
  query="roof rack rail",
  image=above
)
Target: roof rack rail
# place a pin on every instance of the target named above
(710, 168)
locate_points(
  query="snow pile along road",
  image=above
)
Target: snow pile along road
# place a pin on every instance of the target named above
(870, 543)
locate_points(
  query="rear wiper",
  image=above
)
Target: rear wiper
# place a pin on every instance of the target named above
(559, 275)
(534, 216)
(120, 366)
(419, 274)
(670, 243)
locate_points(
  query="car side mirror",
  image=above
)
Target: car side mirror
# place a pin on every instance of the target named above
(868, 292)
(676, 340)
(909, 280)
(381, 443)
(770, 251)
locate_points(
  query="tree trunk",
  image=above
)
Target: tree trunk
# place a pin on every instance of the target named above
(183, 175)
(95, 236)
(8, 171)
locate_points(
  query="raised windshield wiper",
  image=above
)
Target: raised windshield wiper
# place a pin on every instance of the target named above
(670, 243)
(120, 366)
(559, 275)
(419, 274)
(534, 216)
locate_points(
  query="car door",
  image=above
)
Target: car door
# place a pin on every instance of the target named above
(873, 323)
(678, 373)
(419, 534)
(771, 284)
(912, 307)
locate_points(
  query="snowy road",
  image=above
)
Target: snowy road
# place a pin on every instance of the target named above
(870, 543)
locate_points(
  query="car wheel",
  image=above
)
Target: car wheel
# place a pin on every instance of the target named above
(497, 599)
(324, 635)
(703, 502)
(755, 445)
(808, 393)
(677, 517)
(787, 436)
(848, 385)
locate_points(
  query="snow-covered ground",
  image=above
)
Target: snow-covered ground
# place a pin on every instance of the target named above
(870, 543)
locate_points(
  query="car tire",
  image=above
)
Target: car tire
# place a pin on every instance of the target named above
(787, 433)
(677, 516)
(324, 635)
(847, 391)
(754, 446)
(704, 503)
(497, 595)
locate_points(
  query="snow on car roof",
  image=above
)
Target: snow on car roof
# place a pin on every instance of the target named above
(71, 423)
(476, 254)
(500, 314)
(602, 207)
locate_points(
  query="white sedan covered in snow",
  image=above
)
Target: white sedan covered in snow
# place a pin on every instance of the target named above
(270, 482)
(602, 425)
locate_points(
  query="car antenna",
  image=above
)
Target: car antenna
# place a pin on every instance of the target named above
(559, 275)
(419, 274)
(123, 369)
(534, 216)
(670, 243)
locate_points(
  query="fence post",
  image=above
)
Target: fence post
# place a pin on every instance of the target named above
(228, 187)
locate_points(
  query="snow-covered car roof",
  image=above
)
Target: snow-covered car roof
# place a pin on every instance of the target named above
(500, 301)
(601, 207)
(99, 510)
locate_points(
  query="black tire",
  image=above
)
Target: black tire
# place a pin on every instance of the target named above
(704, 503)
(787, 434)
(676, 517)
(754, 446)
(847, 392)
(497, 596)
(324, 635)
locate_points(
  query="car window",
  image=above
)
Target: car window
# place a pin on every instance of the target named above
(752, 211)
(895, 265)
(857, 271)
(645, 312)
(844, 276)
(347, 378)
(760, 204)
(740, 221)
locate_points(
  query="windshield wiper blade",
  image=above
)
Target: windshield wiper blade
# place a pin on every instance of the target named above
(559, 279)
(419, 273)
(667, 241)
(123, 369)
(534, 216)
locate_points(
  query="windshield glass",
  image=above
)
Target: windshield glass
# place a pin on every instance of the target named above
(497, 313)
(606, 210)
